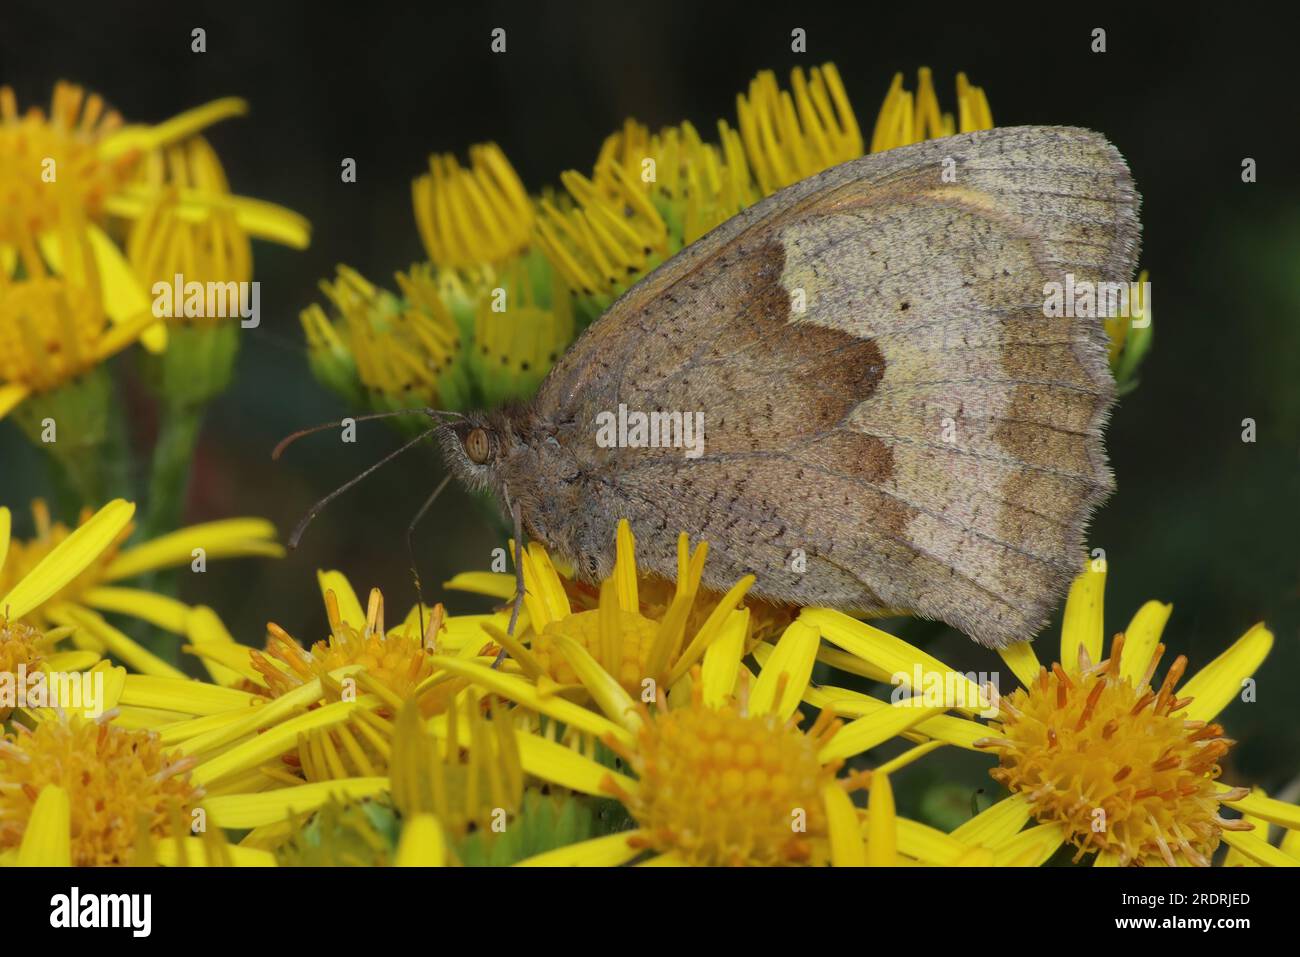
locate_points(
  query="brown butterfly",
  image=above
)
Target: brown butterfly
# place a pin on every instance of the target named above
(890, 418)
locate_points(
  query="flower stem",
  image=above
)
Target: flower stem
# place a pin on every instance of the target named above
(169, 477)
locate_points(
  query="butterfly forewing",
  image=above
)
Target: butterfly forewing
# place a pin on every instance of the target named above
(891, 417)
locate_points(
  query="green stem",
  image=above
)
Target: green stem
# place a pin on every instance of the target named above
(169, 476)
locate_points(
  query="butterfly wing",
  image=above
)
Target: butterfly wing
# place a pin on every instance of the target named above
(891, 417)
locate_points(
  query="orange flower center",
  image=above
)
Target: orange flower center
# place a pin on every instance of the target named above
(1115, 764)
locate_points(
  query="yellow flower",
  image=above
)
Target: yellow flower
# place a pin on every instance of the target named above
(80, 792)
(472, 217)
(201, 243)
(361, 677)
(53, 327)
(67, 577)
(1098, 755)
(83, 159)
(401, 353)
(713, 729)
(636, 626)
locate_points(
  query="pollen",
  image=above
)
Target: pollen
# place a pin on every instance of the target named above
(119, 781)
(1116, 764)
(719, 786)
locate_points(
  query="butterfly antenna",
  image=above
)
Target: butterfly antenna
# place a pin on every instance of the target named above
(303, 433)
(316, 509)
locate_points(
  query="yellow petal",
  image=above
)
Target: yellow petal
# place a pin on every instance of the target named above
(11, 393)
(892, 656)
(1084, 622)
(608, 851)
(184, 695)
(908, 756)
(722, 660)
(118, 644)
(1031, 848)
(786, 672)
(6, 525)
(148, 138)
(188, 728)
(1291, 845)
(929, 845)
(492, 584)
(548, 584)
(122, 293)
(997, 824)
(114, 682)
(1141, 638)
(206, 634)
(68, 559)
(47, 841)
(276, 740)
(711, 628)
(258, 218)
(67, 661)
(196, 854)
(865, 733)
(563, 766)
(1257, 804)
(612, 698)
(422, 843)
(167, 613)
(229, 538)
(350, 609)
(671, 859)
(847, 849)
(271, 222)
(1020, 658)
(521, 692)
(252, 810)
(961, 732)
(625, 568)
(1258, 849)
(1214, 686)
(282, 708)
(882, 824)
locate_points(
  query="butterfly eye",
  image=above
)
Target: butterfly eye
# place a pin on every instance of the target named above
(476, 446)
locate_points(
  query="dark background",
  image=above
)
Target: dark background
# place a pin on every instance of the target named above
(1200, 519)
